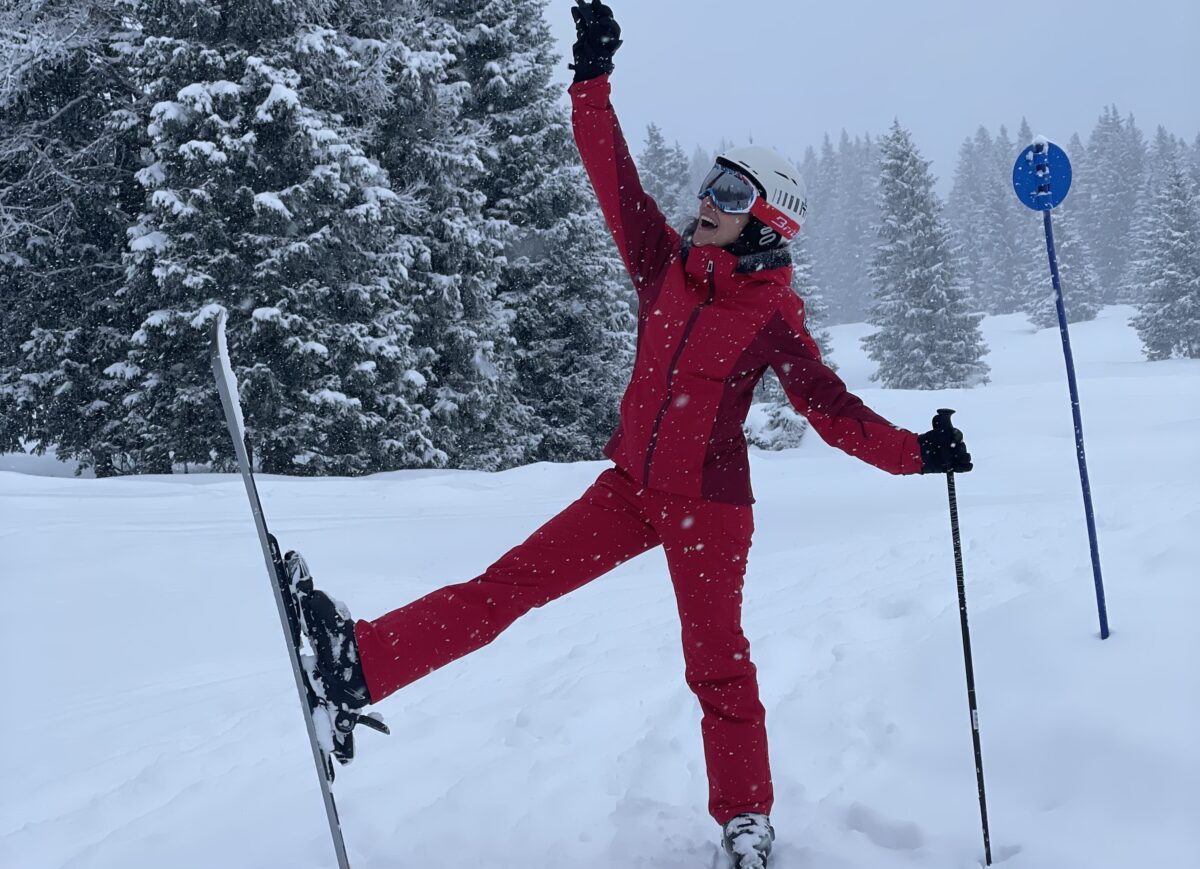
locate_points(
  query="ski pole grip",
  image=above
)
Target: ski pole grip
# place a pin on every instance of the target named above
(942, 422)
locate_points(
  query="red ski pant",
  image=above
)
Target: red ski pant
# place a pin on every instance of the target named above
(705, 544)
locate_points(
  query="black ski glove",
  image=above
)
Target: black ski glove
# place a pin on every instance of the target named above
(598, 36)
(942, 449)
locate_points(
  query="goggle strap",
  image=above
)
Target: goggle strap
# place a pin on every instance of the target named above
(774, 218)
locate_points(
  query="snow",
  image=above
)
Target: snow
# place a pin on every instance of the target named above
(271, 202)
(152, 241)
(123, 371)
(170, 201)
(197, 148)
(47, 465)
(206, 313)
(164, 112)
(152, 175)
(230, 379)
(280, 94)
(155, 723)
(332, 397)
(199, 95)
(266, 315)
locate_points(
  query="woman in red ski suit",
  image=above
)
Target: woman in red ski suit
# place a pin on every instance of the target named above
(710, 324)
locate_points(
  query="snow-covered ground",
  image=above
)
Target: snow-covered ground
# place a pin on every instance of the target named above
(150, 718)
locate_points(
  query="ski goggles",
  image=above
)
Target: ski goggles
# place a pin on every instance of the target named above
(730, 191)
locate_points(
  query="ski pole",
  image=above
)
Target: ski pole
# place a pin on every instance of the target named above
(944, 419)
(1042, 180)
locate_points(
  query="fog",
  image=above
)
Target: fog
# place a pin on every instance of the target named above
(785, 73)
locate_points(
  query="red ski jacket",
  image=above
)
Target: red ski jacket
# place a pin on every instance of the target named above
(709, 326)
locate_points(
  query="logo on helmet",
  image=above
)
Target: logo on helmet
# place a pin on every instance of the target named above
(767, 237)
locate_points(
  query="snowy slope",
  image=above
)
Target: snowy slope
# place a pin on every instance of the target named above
(151, 719)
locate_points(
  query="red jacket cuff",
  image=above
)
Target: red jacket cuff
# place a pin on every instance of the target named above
(911, 461)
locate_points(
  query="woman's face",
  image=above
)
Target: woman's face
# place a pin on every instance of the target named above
(717, 228)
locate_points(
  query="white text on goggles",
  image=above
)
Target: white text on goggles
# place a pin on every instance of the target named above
(731, 191)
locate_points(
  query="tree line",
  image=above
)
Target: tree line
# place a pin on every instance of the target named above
(383, 193)
(1129, 233)
(385, 197)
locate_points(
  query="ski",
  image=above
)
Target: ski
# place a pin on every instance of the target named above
(330, 729)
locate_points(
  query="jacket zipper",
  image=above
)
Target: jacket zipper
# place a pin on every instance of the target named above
(662, 411)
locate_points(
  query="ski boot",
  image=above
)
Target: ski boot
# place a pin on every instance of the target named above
(747, 840)
(333, 669)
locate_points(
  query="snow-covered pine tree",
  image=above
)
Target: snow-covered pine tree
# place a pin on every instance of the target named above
(258, 199)
(698, 166)
(68, 150)
(820, 228)
(1140, 270)
(925, 338)
(1081, 296)
(858, 176)
(969, 215)
(773, 423)
(561, 285)
(1028, 239)
(665, 173)
(816, 306)
(1195, 160)
(1168, 321)
(435, 153)
(1111, 178)
(1010, 223)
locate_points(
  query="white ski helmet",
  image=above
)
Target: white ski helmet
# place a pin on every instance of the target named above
(783, 200)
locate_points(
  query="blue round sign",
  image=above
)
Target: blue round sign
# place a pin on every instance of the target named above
(1042, 176)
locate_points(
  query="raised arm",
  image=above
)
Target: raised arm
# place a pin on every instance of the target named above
(839, 416)
(643, 237)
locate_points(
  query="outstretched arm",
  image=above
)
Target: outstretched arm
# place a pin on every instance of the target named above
(839, 416)
(642, 234)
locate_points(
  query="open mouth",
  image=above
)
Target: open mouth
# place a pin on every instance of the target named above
(707, 222)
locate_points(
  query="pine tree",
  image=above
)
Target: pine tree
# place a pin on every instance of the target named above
(68, 150)
(1010, 222)
(843, 213)
(698, 167)
(925, 337)
(435, 151)
(1028, 239)
(1111, 177)
(859, 162)
(1140, 271)
(1195, 162)
(774, 424)
(259, 199)
(968, 212)
(560, 284)
(1081, 296)
(665, 174)
(1168, 321)
(820, 227)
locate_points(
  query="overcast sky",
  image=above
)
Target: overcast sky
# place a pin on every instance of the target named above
(786, 72)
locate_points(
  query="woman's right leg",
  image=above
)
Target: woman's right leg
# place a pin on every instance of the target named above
(604, 528)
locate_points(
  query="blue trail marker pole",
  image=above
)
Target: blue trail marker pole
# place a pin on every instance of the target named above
(1042, 179)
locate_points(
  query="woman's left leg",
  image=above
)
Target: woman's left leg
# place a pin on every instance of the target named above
(706, 544)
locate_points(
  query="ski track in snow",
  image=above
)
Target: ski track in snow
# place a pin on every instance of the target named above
(152, 721)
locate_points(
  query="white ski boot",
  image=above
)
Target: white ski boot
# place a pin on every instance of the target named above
(747, 840)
